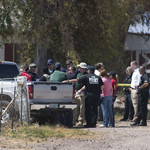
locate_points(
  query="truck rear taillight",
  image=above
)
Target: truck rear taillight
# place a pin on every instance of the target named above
(30, 87)
(74, 92)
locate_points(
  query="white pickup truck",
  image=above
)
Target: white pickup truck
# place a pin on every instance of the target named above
(46, 98)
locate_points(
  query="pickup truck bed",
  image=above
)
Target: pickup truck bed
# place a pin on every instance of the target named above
(51, 99)
(52, 92)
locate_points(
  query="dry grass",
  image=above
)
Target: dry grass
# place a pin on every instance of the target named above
(26, 135)
(35, 132)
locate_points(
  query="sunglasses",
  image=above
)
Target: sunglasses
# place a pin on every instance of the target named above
(67, 64)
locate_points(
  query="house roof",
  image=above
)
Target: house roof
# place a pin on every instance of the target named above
(137, 42)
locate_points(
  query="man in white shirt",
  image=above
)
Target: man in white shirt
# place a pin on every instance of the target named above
(135, 80)
(98, 68)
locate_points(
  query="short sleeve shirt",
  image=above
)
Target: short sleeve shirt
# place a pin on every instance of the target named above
(144, 79)
(78, 85)
(114, 86)
(92, 83)
(107, 87)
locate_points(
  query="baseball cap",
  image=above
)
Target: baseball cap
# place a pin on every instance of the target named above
(91, 68)
(57, 65)
(49, 61)
(82, 65)
(112, 73)
(32, 65)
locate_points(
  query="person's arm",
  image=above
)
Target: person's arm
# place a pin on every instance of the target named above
(144, 85)
(72, 80)
(115, 87)
(102, 87)
(82, 89)
(101, 83)
(111, 90)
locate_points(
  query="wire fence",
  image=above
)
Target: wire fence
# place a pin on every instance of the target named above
(14, 103)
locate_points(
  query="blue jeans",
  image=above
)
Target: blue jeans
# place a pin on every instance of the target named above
(107, 111)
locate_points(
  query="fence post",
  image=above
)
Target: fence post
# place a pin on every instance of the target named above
(13, 107)
(21, 102)
(1, 103)
(28, 118)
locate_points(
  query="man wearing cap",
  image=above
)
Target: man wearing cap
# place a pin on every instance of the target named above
(32, 69)
(58, 75)
(80, 97)
(50, 66)
(93, 85)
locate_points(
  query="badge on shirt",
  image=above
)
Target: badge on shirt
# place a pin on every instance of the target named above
(93, 80)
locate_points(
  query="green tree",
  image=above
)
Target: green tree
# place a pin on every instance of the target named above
(91, 31)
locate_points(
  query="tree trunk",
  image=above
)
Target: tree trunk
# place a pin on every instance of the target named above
(40, 59)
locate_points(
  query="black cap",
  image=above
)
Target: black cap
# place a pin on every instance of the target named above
(91, 68)
(58, 65)
(49, 62)
(112, 73)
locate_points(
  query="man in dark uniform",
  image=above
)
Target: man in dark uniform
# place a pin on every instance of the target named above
(143, 95)
(72, 73)
(50, 66)
(93, 85)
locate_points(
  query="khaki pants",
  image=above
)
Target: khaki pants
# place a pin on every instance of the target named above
(134, 98)
(79, 99)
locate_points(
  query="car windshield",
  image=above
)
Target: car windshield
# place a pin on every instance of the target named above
(8, 71)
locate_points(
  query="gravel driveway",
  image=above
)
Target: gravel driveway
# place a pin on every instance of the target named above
(121, 137)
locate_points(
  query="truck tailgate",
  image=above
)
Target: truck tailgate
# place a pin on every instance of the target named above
(49, 90)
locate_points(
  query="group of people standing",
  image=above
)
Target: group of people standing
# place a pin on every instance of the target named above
(96, 89)
(136, 95)
(92, 83)
(89, 85)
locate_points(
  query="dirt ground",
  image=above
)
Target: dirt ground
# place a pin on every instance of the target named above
(121, 137)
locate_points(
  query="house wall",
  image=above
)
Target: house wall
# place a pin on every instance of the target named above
(7, 50)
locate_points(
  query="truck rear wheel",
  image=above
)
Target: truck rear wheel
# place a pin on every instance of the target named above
(10, 112)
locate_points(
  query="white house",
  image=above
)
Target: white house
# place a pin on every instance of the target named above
(138, 43)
